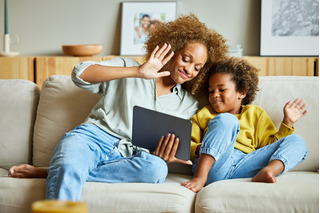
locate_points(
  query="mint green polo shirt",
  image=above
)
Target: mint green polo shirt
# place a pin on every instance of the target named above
(114, 111)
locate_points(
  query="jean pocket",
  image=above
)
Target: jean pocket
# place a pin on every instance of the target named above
(114, 154)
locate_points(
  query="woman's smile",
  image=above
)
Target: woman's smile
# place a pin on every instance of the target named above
(184, 75)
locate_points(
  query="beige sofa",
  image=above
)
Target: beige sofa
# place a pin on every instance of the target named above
(32, 122)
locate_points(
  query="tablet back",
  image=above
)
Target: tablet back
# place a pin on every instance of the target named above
(150, 125)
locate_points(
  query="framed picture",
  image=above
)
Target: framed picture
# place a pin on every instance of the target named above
(137, 19)
(289, 28)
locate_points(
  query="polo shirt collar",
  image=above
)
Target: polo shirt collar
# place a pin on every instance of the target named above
(178, 91)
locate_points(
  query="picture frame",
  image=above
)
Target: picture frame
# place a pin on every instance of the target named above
(137, 18)
(289, 30)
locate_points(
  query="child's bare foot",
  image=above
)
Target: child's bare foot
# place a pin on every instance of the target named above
(27, 171)
(268, 174)
(265, 176)
(195, 184)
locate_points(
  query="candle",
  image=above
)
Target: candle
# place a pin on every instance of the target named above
(56, 206)
(5, 18)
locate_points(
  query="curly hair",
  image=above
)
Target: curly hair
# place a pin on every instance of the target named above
(244, 75)
(185, 30)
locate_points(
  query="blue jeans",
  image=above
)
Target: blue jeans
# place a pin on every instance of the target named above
(88, 153)
(232, 163)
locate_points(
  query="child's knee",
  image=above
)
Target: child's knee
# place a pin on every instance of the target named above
(299, 141)
(225, 120)
(297, 144)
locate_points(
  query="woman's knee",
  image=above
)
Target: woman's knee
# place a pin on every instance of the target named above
(66, 159)
(155, 170)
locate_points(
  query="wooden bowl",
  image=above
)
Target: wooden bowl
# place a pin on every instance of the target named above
(82, 50)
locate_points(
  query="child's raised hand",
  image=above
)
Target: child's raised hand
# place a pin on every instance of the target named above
(151, 68)
(294, 111)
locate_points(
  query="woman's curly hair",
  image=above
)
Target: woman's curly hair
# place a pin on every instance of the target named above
(185, 30)
(243, 74)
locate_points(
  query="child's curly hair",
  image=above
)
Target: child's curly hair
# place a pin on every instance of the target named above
(244, 75)
(185, 30)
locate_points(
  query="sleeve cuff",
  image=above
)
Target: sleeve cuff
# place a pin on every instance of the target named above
(78, 70)
(193, 149)
(284, 130)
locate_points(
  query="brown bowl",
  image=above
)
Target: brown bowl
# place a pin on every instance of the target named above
(82, 50)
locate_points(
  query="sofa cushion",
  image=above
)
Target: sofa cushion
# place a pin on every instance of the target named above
(3, 172)
(140, 197)
(275, 91)
(104, 197)
(62, 106)
(17, 194)
(293, 192)
(18, 105)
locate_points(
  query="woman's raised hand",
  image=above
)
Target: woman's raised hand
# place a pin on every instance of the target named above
(158, 58)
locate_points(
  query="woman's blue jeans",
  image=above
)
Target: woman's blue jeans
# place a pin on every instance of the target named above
(232, 163)
(88, 153)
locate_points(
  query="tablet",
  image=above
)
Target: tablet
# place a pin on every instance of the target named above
(149, 125)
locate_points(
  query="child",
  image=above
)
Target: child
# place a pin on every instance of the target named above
(238, 140)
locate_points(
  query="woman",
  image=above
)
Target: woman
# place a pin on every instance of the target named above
(179, 54)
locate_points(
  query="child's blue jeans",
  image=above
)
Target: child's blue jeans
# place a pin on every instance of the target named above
(232, 163)
(88, 153)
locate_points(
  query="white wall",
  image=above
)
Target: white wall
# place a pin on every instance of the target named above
(43, 26)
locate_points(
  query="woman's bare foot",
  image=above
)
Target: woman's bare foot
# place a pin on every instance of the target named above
(27, 171)
(265, 176)
(195, 184)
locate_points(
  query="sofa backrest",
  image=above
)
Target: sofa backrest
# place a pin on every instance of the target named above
(275, 91)
(18, 106)
(63, 106)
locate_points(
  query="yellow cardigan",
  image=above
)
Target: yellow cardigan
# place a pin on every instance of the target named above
(256, 129)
